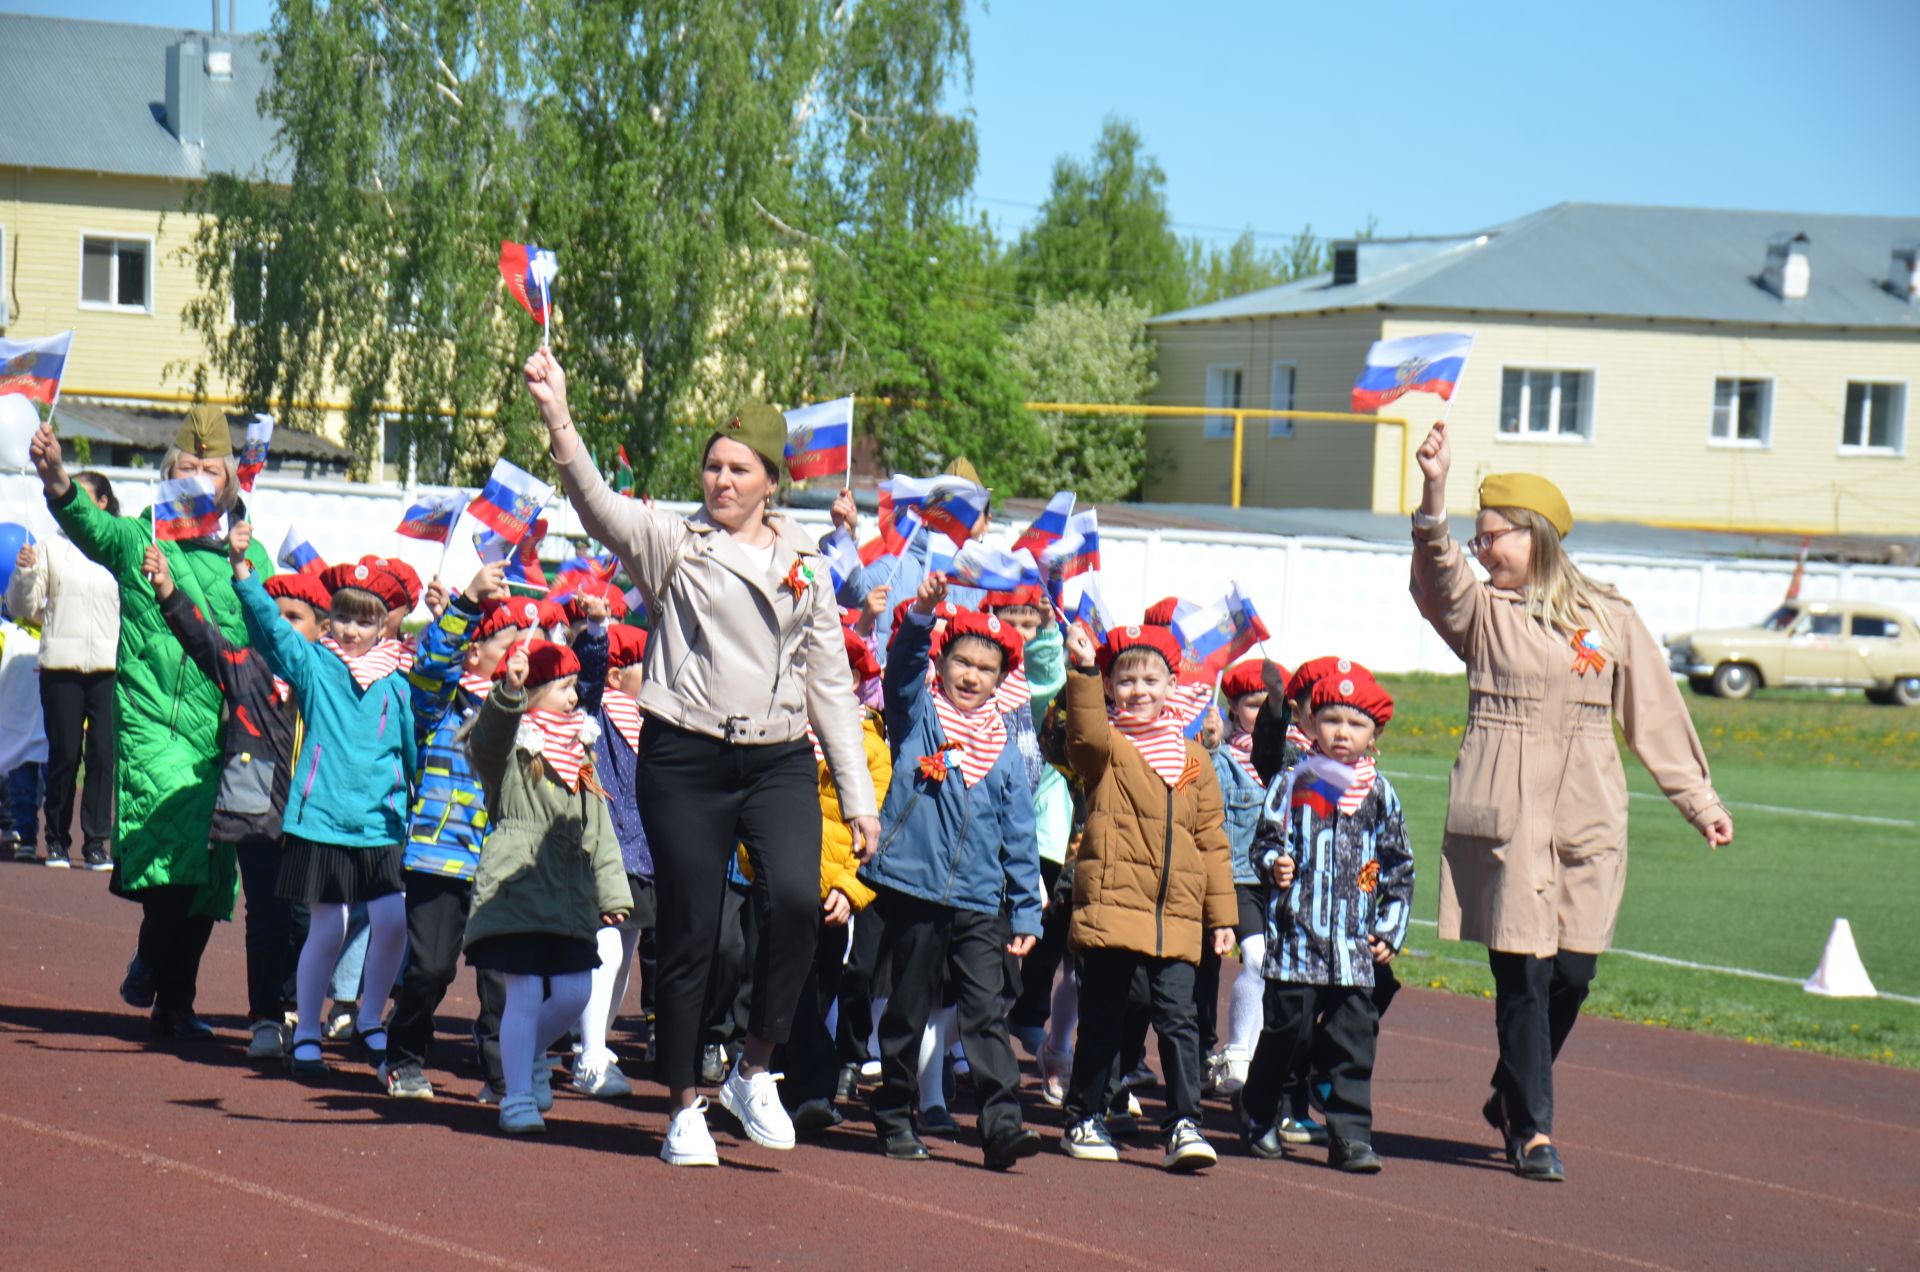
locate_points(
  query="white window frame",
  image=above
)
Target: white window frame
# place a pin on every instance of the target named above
(1736, 442)
(1589, 413)
(113, 283)
(1863, 449)
(1218, 427)
(1282, 428)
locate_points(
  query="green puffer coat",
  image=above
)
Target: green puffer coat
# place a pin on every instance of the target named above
(169, 747)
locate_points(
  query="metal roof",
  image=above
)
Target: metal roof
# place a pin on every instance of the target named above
(89, 97)
(153, 428)
(1618, 261)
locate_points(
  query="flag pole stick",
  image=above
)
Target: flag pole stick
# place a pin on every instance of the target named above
(850, 457)
(546, 315)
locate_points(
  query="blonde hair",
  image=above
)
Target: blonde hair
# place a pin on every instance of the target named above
(229, 493)
(1559, 593)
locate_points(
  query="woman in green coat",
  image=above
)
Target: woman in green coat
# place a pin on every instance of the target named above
(168, 750)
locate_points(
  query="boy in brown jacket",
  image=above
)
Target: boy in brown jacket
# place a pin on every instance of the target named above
(1153, 879)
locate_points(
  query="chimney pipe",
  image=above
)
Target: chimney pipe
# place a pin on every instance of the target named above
(186, 117)
(1904, 279)
(1788, 273)
(215, 29)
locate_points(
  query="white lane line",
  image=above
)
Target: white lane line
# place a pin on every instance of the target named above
(1819, 814)
(1748, 972)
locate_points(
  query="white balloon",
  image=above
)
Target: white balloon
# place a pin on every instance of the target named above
(18, 422)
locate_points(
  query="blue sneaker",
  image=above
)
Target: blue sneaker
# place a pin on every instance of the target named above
(136, 989)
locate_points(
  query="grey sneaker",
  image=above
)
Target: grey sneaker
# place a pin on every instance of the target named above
(59, 858)
(96, 857)
(1187, 1149)
(269, 1043)
(405, 1081)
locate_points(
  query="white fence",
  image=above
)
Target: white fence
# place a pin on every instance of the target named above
(1317, 595)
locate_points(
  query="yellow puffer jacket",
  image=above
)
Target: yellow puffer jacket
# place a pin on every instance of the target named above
(839, 868)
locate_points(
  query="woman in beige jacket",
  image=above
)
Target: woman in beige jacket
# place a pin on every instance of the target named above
(745, 651)
(1535, 855)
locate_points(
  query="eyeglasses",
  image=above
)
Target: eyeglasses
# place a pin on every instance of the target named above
(1484, 540)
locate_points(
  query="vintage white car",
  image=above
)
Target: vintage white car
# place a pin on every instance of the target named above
(1823, 643)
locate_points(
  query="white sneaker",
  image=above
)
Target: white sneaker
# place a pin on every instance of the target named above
(603, 1084)
(269, 1043)
(756, 1104)
(1233, 1073)
(520, 1116)
(689, 1142)
(542, 1084)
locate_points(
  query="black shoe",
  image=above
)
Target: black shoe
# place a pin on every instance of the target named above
(178, 1026)
(713, 1064)
(1003, 1150)
(310, 1065)
(1356, 1157)
(1267, 1144)
(1541, 1162)
(95, 857)
(936, 1121)
(847, 1085)
(1143, 1078)
(136, 989)
(905, 1146)
(812, 1117)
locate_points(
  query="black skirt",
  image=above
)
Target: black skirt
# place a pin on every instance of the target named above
(646, 910)
(328, 873)
(533, 954)
(1252, 900)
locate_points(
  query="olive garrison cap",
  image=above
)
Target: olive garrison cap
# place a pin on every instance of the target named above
(204, 434)
(1530, 491)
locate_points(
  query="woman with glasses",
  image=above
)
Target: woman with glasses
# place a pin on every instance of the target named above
(1535, 854)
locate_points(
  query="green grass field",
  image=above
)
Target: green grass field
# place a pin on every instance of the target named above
(1766, 903)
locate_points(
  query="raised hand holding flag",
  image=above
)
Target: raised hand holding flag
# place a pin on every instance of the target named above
(253, 454)
(529, 272)
(1412, 364)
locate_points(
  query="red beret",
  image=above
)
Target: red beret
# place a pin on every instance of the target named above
(942, 613)
(991, 629)
(497, 616)
(626, 646)
(367, 578)
(545, 661)
(1146, 636)
(299, 587)
(1160, 613)
(604, 589)
(408, 576)
(1356, 688)
(860, 655)
(1312, 672)
(1243, 678)
(1031, 594)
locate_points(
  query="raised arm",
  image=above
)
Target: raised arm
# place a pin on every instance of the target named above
(203, 642)
(118, 543)
(1046, 660)
(490, 737)
(1654, 720)
(286, 651)
(1089, 735)
(1445, 589)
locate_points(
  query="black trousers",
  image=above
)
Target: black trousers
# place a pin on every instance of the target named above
(1299, 1020)
(856, 987)
(274, 936)
(1039, 968)
(436, 926)
(930, 948)
(699, 798)
(1535, 1003)
(1206, 997)
(172, 939)
(77, 705)
(1315, 1064)
(1106, 977)
(809, 1058)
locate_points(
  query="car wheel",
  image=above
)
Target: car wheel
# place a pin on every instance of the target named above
(1734, 681)
(1702, 685)
(1906, 693)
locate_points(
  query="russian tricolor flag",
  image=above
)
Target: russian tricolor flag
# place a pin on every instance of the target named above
(951, 505)
(253, 455)
(1214, 635)
(185, 508)
(1092, 610)
(1412, 364)
(819, 439)
(1049, 526)
(524, 575)
(898, 526)
(1318, 783)
(298, 555)
(32, 368)
(1077, 551)
(992, 569)
(842, 554)
(432, 519)
(510, 501)
(529, 272)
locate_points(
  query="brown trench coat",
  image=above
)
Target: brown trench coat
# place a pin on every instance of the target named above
(1535, 855)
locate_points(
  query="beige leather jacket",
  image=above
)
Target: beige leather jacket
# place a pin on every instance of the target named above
(733, 652)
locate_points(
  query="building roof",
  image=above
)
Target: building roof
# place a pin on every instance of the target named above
(153, 428)
(1618, 261)
(90, 97)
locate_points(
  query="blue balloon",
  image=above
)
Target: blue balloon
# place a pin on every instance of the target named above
(13, 536)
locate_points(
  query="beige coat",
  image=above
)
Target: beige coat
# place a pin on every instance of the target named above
(1535, 855)
(82, 604)
(733, 652)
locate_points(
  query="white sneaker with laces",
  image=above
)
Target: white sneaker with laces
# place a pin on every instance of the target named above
(606, 1083)
(756, 1103)
(689, 1142)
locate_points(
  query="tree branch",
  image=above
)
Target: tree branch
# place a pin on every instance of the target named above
(795, 232)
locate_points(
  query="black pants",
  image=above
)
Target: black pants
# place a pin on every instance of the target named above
(699, 797)
(274, 937)
(77, 705)
(1536, 1001)
(1039, 968)
(929, 948)
(809, 1058)
(1315, 1064)
(856, 987)
(436, 925)
(172, 939)
(1206, 998)
(1300, 1019)
(1106, 976)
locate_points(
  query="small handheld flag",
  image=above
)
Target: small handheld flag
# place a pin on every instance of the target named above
(1412, 364)
(432, 519)
(1091, 608)
(253, 455)
(898, 526)
(1077, 551)
(993, 569)
(298, 555)
(529, 272)
(1048, 526)
(510, 501)
(32, 368)
(843, 558)
(185, 508)
(820, 439)
(952, 505)
(1214, 635)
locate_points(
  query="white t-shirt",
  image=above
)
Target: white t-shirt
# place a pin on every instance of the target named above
(762, 557)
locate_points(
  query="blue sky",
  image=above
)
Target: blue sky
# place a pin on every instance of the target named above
(1270, 114)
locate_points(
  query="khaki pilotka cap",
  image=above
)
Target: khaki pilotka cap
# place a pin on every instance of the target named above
(1532, 492)
(760, 428)
(205, 434)
(963, 467)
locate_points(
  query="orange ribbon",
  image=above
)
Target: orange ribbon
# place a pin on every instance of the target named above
(1586, 653)
(934, 767)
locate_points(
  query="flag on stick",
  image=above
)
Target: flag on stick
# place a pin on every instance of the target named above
(1412, 364)
(819, 439)
(1077, 551)
(298, 555)
(992, 569)
(510, 501)
(1211, 636)
(253, 455)
(529, 272)
(951, 505)
(32, 368)
(843, 557)
(432, 519)
(1049, 526)
(185, 508)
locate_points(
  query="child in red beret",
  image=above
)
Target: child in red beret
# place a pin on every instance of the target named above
(1334, 840)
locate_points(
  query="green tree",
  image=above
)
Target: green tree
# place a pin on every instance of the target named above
(1104, 229)
(1217, 273)
(1085, 349)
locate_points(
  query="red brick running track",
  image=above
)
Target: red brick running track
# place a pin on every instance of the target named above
(1683, 1152)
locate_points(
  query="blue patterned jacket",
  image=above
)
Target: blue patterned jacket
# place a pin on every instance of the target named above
(450, 812)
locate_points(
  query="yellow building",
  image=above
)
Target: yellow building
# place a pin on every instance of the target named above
(1727, 370)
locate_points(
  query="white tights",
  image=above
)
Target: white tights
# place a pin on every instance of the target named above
(326, 933)
(1248, 1011)
(539, 1009)
(616, 947)
(1063, 1019)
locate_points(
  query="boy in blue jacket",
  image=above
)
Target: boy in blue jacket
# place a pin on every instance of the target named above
(957, 870)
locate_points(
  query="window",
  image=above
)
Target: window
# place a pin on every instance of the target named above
(1280, 398)
(249, 286)
(1781, 619)
(1223, 389)
(116, 273)
(1742, 413)
(404, 459)
(1876, 627)
(1540, 404)
(1876, 419)
(1819, 625)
